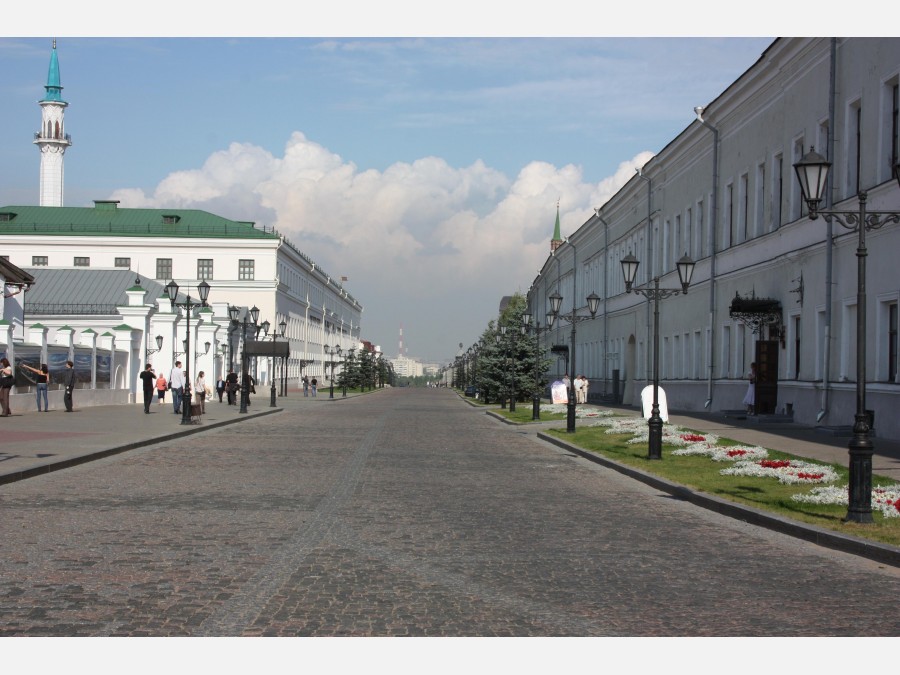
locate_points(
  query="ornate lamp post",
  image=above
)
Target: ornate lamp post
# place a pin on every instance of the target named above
(537, 330)
(332, 352)
(593, 301)
(812, 172)
(275, 336)
(685, 268)
(252, 314)
(188, 305)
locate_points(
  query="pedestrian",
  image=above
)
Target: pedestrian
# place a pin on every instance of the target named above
(220, 387)
(69, 385)
(314, 384)
(42, 380)
(305, 385)
(579, 390)
(231, 386)
(161, 386)
(750, 396)
(200, 391)
(585, 385)
(247, 387)
(148, 378)
(176, 386)
(7, 380)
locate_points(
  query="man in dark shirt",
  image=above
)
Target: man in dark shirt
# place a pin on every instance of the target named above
(148, 377)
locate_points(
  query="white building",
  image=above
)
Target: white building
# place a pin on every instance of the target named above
(771, 286)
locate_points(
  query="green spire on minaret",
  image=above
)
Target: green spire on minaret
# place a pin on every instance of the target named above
(53, 87)
(557, 240)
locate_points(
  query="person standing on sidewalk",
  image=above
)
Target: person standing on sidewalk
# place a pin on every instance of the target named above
(200, 391)
(231, 386)
(315, 384)
(69, 385)
(7, 380)
(42, 379)
(176, 384)
(750, 396)
(305, 385)
(148, 378)
(161, 386)
(220, 387)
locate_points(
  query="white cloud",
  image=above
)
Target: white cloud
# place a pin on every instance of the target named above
(424, 244)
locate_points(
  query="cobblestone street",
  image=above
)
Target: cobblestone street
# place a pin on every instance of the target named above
(401, 513)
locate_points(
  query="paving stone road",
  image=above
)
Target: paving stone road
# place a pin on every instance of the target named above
(403, 512)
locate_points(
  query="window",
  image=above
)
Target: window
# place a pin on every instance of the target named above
(892, 342)
(796, 347)
(170, 220)
(39, 260)
(759, 220)
(744, 215)
(123, 262)
(777, 163)
(895, 127)
(205, 268)
(164, 268)
(81, 261)
(854, 140)
(246, 270)
(730, 233)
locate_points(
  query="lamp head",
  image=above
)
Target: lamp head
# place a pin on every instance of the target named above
(812, 172)
(685, 268)
(629, 270)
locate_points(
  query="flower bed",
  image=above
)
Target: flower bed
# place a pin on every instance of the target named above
(884, 499)
(562, 409)
(719, 453)
(788, 472)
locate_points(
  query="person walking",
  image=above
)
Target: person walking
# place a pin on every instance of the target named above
(220, 387)
(176, 384)
(231, 386)
(148, 378)
(42, 380)
(750, 396)
(7, 380)
(161, 386)
(305, 386)
(579, 389)
(69, 385)
(200, 391)
(314, 384)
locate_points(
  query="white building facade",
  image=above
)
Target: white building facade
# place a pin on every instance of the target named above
(770, 285)
(245, 267)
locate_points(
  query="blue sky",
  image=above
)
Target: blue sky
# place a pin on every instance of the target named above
(427, 170)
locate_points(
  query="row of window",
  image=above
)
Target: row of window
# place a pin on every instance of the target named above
(246, 267)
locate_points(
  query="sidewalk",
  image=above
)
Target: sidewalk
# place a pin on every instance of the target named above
(34, 443)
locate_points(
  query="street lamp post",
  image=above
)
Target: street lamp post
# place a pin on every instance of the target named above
(275, 335)
(593, 301)
(188, 305)
(537, 330)
(332, 352)
(253, 314)
(685, 268)
(812, 172)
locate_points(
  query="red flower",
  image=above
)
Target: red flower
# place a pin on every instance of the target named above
(810, 476)
(737, 453)
(694, 438)
(774, 463)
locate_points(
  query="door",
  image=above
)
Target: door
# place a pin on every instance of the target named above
(766, 376)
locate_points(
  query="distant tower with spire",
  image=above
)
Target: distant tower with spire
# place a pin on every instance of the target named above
(400, 351)
(557, 240)
(52, 140)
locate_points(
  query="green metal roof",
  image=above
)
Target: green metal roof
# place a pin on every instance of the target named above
(106, 219)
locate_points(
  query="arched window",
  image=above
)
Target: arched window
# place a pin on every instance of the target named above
(57, 129)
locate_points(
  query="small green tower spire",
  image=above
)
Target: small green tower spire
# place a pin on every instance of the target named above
(53, 86)
(557, 240)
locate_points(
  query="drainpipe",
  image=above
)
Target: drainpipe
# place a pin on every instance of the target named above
(605, 297)
(829, 240)
(650, 265)
(713, 226)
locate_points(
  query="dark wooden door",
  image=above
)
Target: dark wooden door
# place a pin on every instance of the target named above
(766, 376)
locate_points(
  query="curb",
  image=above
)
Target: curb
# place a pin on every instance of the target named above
(91, 455)
(882, 553)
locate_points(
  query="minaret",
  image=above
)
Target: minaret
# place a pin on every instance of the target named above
(557, 240)
(400, 351)
(52, 139)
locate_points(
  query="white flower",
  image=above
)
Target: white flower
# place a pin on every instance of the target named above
(884, 499)
(786, 471)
